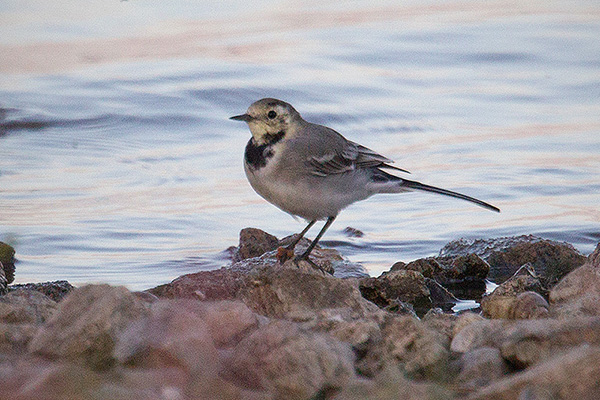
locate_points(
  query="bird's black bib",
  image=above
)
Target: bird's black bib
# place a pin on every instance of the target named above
(257, 155)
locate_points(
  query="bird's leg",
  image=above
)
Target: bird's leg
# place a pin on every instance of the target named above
(310, 248)
(287, 252)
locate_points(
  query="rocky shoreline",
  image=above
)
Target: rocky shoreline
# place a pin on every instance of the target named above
(260, 330)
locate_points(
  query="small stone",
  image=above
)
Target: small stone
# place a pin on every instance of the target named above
(353, 232)
(255, 242)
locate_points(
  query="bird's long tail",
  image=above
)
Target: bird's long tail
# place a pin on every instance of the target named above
(405, 184)
(427, 188)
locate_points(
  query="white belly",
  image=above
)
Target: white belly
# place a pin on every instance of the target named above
(307, 196)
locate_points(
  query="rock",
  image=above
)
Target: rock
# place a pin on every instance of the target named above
(26, 306)
(353, 232)
(573, 375)
(480, 367)
(551, 260)
(292, 363)
(578, 293)
(255, 242)
(169, 336)
(464, 276)
(220, 284)
(280, 292)
(532, 341)
(501, 302)
(422, 353)
(478, 333)
(7, 262)
(86, 325)
(529, 305)
(402, 285)
(3, 281)
(227, 321)
(35, 379)
(390, 383)
(56, 290)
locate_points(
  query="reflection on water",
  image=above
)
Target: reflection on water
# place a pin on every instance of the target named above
(118, 163)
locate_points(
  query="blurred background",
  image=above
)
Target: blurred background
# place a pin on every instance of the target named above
(118, 163)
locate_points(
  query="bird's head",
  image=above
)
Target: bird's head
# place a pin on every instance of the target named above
(269, 118)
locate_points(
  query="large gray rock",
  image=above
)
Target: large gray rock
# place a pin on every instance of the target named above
(86, 325)
(283, 359)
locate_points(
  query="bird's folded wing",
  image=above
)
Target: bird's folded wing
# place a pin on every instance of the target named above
(350, 157)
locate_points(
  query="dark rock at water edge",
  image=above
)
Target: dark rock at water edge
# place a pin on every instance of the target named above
(7, 262)
(56, 290)
(551, 260)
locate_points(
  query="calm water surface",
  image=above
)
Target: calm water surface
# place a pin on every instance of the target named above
(118, 163)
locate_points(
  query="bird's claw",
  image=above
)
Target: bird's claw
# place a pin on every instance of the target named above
(284, 254)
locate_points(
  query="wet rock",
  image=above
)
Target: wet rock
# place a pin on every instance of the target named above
(3, 281)
(502, 301)
(353, 232)
(480, 367)
(578, 293)
(255, 242)
(394, 289)
(397, 286)
(573, 375)
(56, 290)
(86, 325)
(220, 284)
(280, 292)
(169, 336)
(464, 276)
(7, 262)
(551, 260)
(292, 363)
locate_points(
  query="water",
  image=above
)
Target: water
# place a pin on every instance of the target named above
(118, 163)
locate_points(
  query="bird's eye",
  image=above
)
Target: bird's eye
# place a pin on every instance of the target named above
(272, 114)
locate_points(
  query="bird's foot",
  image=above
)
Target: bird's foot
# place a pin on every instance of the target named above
(284, 254)
(304, 257)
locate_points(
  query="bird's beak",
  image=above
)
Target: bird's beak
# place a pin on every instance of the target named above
(243, 117)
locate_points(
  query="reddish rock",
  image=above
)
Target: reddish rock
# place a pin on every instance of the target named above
(220, 284)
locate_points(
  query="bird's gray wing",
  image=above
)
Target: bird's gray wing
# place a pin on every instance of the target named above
(345, 157)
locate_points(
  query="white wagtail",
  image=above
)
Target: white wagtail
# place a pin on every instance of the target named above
(313, 172)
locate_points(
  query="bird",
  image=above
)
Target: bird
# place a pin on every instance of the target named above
(313, 172)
